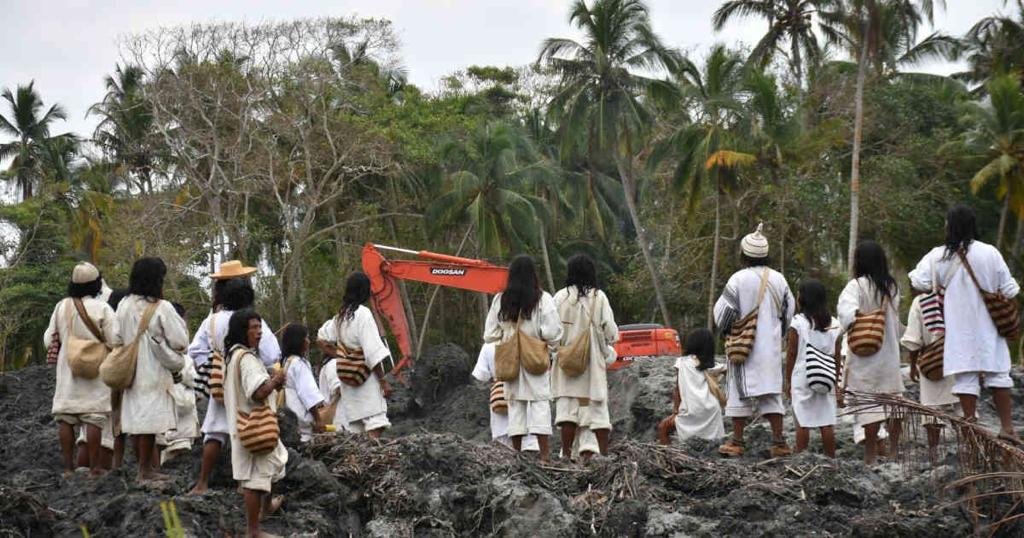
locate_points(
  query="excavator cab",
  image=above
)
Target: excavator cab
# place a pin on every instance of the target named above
(645, 340)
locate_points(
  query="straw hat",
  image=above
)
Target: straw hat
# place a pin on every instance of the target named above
(232, 269)
(755, 245)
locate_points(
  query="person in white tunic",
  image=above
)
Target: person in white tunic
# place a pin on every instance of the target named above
(974, 353)
(147, 407)
(330, 389)
(523, 305)
(237, 294)
(484, 371)
(247, 385)
(697, 410)
(937, 394)
(814, 331)
(755, 386)
(871, 289)
(78, 401)
(301, 393)
(354, 329)
(581, 402)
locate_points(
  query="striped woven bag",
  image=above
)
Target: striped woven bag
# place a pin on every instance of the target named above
(1004, 311)
(499, 404)
(868, 331)
(258, 429)
(215, 383)
(351, 364)
(820, 369)
(740, 340)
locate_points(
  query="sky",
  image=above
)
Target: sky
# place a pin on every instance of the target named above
(68, 46)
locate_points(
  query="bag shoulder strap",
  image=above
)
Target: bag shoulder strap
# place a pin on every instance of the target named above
(970, 270)
(89, 323)
(763, 288)
(147, 316)
(212, 332)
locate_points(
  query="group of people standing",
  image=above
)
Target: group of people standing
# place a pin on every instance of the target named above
(237, 363)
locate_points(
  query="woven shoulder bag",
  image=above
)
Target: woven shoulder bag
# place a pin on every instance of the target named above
(215, 385)
(85, 355)
(1004, 311)
(740, 340)
(258, 429)
(868, 330)
(351, 363)
(499, 402)
(574, 358)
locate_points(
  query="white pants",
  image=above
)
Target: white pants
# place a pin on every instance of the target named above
(766, 404)
(970, 382)
(529, 417)
(368, 424)
(587, 418)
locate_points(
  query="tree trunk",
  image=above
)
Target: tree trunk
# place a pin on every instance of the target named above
(714, 259)
(797, 63)
(858, 124)
(547, 259)
(641, 237)
(1015, 248)
(1002, 221)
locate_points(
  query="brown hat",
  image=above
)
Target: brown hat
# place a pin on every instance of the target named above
(232, 269)
(84, 273)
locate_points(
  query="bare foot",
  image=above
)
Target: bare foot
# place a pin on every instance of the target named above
(97, 473)
(199, 489)
(271, 505)
(152, 476)
(68, 473)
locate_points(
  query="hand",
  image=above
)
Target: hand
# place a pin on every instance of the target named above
(915, 376)
(385, 387)
(279, 378)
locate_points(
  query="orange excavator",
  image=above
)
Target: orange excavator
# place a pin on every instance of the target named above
(480, 276)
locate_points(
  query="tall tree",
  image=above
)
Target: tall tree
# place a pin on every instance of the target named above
(870, 30)
(996, 135)
(703, 144)
(993, 47)
(599, 103)
(31, 132)
(125, 131)
(790, 24)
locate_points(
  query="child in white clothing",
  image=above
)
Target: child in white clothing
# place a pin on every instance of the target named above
(813, 367)
(301, 393)
(924, 329)
(697, 399)
(484, 371)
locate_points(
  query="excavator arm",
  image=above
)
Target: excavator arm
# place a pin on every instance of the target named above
(429, 267)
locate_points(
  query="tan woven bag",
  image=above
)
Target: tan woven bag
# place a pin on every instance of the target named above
(574, 358)
(868, 330)
(258, 429)
(520, 351)
(1004, 311)
(499, 402)
(118, 371)
(216, 382)
(84, 355)
(740, 340)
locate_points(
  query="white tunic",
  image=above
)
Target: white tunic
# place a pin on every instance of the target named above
(543, 324)
(75, 395)
(812, 409)
(761, 374)
(186, 416)
(917, 336)
(245, 373)
(216, 421)
(360, 332)
(700, 414)
(301, 393)
(972, 342)
(879, 373)
(575, 314)
(484, 371)
(330, 388)
(147, 407)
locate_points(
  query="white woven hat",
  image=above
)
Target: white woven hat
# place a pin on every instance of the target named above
(84, 273)
(755, 245)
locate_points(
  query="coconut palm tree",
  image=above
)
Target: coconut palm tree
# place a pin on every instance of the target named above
(997, 136)
(870, 30)
(993, 47)
(31, 132)
(490, 183)
(126, 127)
(704, 144)
(790, 24)
(599, 103)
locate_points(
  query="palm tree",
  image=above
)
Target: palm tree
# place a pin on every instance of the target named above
(126, 127)
(598, 103)
(490, 183)
(997, 135)
(992, 47)
(32, 134)
(788, 20)
(704, 145)
(870, 30)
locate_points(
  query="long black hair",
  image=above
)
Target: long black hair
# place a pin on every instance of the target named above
(522, 292)
(869, 261)
(357, 292)
(115, 297)
(701, 344)
(812, 300)
(238, 328)
(237, 295)
(582, 274)
(147, 278)
(85, 289)
(217, 299)
(961, 229)
(292, 339)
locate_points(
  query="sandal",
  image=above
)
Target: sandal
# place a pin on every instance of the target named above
(732, 448)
